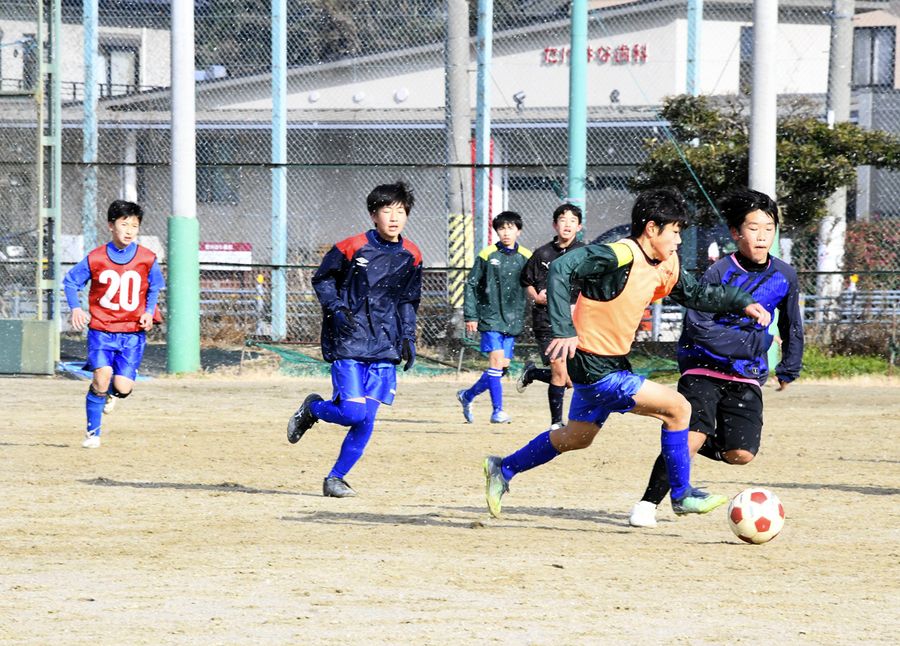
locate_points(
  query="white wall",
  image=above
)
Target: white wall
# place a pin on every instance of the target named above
(523, 64)
(153, 47)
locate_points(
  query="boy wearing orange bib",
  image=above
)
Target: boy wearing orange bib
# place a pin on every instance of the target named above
(618, 281)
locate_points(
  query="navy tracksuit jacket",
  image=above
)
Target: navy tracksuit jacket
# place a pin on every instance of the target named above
(380, 283)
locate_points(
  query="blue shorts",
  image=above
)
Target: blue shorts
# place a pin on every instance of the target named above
(355, 379)
(491, 341)
(612, 394)
(122, 351)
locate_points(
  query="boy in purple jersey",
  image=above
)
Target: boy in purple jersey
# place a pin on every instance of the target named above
(125, 281)
(723, 357)
(369, 287)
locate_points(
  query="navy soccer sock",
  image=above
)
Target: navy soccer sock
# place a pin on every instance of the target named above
(344, 413)
(537, 452)
(658, 485)
(540, 374)
(555, 396)
(355, 442)
(479, 387)
(678, 461)
(93, 404)
(496, 388)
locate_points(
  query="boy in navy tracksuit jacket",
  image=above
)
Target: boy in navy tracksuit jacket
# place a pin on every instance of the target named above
(723, 357)
(369, 287)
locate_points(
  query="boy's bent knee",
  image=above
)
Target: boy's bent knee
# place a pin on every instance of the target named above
(738, 456)
(354, 412)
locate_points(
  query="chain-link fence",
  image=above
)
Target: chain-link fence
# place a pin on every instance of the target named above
(366, 95)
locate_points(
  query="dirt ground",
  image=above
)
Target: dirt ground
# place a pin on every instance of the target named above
(197, 523)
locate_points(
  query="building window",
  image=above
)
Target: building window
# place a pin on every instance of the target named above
(873, 56)
(218, 182)
(745, 69)
(119, 70)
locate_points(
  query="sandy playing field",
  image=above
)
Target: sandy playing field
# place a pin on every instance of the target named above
(197, 523)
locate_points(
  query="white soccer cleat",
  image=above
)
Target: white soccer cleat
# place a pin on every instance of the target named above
(109, 405)
(643, 514)
(91, 441)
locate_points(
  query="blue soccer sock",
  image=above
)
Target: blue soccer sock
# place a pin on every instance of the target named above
(496, 388)
(345, 413)
(678, 461)
(555, 397)
(537, 452)
(355, 442)
(479, 387)
(93, 404)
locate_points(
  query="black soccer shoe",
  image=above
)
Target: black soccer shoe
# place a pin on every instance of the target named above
(302, 420)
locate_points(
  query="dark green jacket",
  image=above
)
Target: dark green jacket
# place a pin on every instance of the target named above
(494, 295)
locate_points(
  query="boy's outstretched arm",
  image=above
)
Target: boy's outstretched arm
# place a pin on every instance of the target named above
(709, 297)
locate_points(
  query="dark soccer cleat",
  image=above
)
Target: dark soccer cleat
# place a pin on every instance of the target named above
(525, 378)
(334, 487)
(302, 420)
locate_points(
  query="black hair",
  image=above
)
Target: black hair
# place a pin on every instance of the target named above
(661, 205)
(562, 208)
(387, 194)
(736, 204)
(507, 217)
(123, 209)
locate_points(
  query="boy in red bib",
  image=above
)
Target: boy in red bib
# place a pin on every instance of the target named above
(125, 283)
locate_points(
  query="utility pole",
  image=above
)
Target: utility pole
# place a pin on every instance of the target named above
(183, 301)
(460, 252)
(577, 188)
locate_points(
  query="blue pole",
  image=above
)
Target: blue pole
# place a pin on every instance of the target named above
(578, 105)
(694, 21)
(484, 43)
(89, 127)
(279, 170)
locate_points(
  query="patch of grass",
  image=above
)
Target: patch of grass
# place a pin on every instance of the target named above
(818, 364)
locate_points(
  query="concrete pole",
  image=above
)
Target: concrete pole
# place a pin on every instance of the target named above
(459, 131)
(484, 43)
(279, 170)
(764, 114)
(183, 301)
(89, 134)
(578, 106)
(694, 24)
(833, 227)
(763, 106)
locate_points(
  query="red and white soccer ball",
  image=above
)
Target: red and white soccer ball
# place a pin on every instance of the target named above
(756, 515)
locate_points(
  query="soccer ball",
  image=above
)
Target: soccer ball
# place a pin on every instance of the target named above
(756, 515)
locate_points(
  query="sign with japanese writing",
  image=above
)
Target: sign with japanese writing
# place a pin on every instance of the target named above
(623, 54)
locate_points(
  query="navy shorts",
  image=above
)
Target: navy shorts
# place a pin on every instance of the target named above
(357, 379)
(121, 350)
(729, 413)
(612, 394)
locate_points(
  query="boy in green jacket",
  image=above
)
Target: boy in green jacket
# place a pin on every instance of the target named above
(495, 306)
